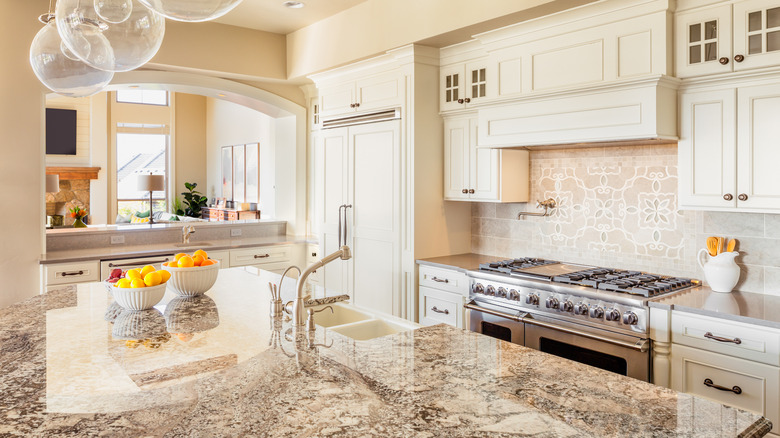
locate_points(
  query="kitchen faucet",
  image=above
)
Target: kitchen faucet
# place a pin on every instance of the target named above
(186, 231)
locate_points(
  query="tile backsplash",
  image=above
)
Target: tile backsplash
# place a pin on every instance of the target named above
(617, 207)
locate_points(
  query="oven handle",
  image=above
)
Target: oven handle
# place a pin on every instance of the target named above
(471, 306)
(641, 345)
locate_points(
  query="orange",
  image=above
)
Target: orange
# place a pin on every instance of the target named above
(147, 269)
(153, 278)
(165, 263)
(137, 283)
(208, 262)
(198, 259)
(186, 261)
(123, 283)
(132, 274)
(178, 256)
(164, 275)
(201, 253)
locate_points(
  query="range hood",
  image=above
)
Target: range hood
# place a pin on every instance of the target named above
(626, 111)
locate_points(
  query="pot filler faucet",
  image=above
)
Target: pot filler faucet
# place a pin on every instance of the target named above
(344, 253)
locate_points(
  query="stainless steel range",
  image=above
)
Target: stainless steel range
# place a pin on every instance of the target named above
(597, 316)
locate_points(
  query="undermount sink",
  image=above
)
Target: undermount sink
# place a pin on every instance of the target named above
(374, 328)
(191, 245)
(342, 314)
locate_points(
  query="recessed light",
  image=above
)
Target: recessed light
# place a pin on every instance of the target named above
(293, 4)
(221, 95)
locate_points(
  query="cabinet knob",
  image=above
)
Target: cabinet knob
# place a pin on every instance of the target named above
(739, 58)
(724, 60)
(471, 191)
(467, 100)
(728, 196)
(351, 105)
(460, 100)
(464, 191)
(357, 105)
(742, 197)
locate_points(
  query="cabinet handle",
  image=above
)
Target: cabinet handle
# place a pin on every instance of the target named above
(471, 191)
(440, 280)
(445, 311)
(709, 335)
(728, 196)
(65, 274)
(739, 58)
(464, 191)
(262, 256)
(742, 197)
(735, 389)
(460, 100)
(351, 105)
(467, 100)
(151, 262)
(724, 60)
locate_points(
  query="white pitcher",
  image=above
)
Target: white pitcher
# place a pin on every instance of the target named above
(720, 271)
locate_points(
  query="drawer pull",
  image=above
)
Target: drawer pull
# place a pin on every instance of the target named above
(65, 274)
(709, 335)
(445, 311)
(262, 256)
(150, 262)
(440, 280)
(736, 389)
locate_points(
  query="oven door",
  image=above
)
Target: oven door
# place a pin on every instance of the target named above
(495, 321)
(619, 353)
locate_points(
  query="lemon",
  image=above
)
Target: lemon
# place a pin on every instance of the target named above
(147, 269)
(153, 278)
(164, 275)
(186, 262)
(137, 283)
(123, 283)
(201, 253)
(132, 274)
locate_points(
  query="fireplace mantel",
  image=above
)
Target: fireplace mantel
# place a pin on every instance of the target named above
(74, 172)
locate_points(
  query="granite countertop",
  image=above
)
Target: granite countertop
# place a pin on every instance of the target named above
(460, 262)
(128, 251)
(74, 364)
(745, 307)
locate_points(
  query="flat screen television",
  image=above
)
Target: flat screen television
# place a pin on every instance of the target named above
(60, 131)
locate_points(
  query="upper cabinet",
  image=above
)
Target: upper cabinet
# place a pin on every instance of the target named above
(726, 37)
(365, 94)
(463, 84)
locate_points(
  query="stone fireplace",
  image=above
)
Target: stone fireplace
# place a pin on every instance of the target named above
(74, 191)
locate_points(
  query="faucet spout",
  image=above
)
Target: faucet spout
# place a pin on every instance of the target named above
(299, 311)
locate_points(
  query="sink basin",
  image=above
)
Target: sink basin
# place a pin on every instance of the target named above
(374, 328)
(341, 315)
(192, 245)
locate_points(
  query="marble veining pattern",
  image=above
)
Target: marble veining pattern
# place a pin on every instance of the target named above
(247, 376)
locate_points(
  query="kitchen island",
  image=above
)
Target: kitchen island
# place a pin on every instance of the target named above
(67, 368)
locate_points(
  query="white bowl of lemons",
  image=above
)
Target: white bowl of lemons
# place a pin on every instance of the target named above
(141, 289)
(192, 275)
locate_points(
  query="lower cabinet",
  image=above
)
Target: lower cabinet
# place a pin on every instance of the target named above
(275, 258)
(442, 294)
(63, 274)
(222, 255)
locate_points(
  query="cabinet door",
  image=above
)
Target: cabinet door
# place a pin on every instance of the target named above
(757, 33)
(375, 217)
(483, 168)
(337, 99)
(707, 149)
(453, 84)
(758, 130)
(703, 39)
(379, 92)
(456, 158)
(477, 85)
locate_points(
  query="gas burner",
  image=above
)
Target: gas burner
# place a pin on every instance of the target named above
(646, 285)
(512, 265)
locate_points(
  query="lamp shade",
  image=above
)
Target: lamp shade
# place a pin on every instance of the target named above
(52, 183)
(151, 183)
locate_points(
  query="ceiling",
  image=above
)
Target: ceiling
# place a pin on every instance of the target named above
(273, 16)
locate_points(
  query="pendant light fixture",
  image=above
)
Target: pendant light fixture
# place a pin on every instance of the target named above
(191, 10)
(113, 11)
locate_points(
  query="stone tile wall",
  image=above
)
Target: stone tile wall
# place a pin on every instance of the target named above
(73, 193)
(617, 207)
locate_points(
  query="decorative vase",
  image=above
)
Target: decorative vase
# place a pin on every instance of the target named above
(79, 223)
(720, 271)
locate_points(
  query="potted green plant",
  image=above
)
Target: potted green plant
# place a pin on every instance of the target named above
(193, 201)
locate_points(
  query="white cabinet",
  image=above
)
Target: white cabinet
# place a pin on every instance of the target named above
(472, 173)
(371, 93)
(275, 258)
(106, 266)
(728, 147)
(222, 255)
(442, 295)
(727, 37)
(463, 84)
(60, 274)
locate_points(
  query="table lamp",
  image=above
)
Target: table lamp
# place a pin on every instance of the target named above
(151, 183)
(52, 183)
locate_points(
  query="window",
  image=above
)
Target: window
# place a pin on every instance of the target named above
(146, 97)
(139, 154)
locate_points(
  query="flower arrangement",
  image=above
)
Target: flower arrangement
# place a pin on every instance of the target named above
(77, 212)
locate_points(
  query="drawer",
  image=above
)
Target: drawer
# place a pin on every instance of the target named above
(107, 266)
(263, 255)
(78, 272)
(444, 279)
(222, 255)
(438, 307)
(696, 371)
(760, 344)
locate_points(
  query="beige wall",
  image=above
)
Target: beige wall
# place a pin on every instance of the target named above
(189, 140)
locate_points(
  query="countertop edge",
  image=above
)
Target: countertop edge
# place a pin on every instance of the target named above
(441, 265)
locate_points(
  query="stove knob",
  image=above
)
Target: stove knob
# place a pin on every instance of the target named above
(597, 312)
(532, 299)
(580, 309)
(566, 306)
(479, 289)
(630, 318)
(501, 292)
(513, 295)
(491, 291)
(612, 315)
(552, 303)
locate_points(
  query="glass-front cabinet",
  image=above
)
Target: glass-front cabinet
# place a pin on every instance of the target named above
(463, 84)
(725, 38)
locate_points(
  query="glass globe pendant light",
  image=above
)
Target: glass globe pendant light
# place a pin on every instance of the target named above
(109, 46)
(114, 11)
(58, 72)
(191, 10)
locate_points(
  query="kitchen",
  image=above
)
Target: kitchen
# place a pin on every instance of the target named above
(497, 227)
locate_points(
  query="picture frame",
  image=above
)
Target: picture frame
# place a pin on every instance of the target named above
(227, 172)
(220, 202)
(239, 171)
